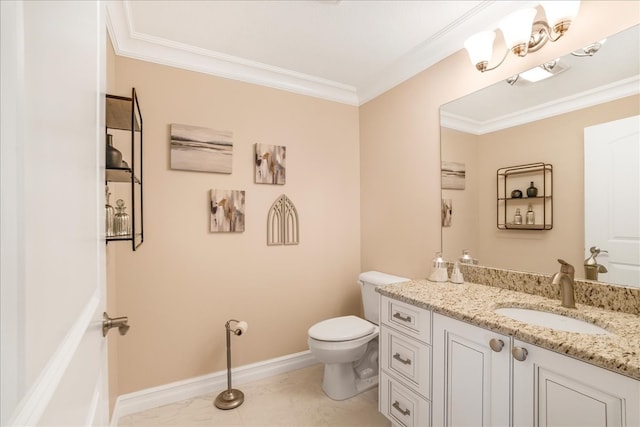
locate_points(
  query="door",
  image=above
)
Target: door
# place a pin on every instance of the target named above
(471, 381)
(612, 198)
(53, 252)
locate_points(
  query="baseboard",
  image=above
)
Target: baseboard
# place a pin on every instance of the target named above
(142, 400)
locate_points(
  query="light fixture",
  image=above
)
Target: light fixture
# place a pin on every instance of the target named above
(521, 34)
(589, 50)
(541, 72)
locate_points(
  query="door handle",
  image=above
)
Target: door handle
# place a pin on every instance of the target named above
(117, 322)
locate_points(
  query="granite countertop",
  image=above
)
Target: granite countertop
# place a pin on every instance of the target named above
(475, 304)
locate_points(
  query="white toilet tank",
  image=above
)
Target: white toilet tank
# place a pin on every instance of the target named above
(370, 298)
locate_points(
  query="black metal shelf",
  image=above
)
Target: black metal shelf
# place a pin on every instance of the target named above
(505, 178)
(123, 114)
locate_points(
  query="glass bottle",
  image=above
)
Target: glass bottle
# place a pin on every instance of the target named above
(109, 215)
(530, 216)
(121, 223)
(517, 219)
(532, 191)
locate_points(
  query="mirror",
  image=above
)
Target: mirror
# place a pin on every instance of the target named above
(520, 123)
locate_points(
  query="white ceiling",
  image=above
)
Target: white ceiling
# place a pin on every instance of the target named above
(348, 51)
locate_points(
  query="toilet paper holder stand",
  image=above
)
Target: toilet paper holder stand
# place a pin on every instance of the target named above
(231, 398)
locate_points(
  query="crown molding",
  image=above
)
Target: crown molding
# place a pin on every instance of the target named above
(606, 93)
(129, 43)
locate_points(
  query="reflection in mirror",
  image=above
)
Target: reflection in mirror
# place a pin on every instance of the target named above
(518, 122)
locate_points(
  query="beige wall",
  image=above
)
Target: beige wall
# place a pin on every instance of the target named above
(558, 141)
(182, 285)
(400, 143)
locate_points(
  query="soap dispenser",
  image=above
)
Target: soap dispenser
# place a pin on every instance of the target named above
(591, 266)
(438, 269)
(456, 274)
(466, 258)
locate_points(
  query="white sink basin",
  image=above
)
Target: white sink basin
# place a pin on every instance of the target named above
(551, 320)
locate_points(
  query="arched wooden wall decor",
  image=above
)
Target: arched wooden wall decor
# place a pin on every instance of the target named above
(282, 223)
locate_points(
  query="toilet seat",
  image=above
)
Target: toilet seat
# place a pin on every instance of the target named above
(343, 328)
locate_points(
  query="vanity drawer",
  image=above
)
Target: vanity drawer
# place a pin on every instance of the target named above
(407, 359)
(402, 406)
(406, 318)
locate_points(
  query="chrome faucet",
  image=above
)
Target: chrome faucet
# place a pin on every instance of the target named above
(564, 278)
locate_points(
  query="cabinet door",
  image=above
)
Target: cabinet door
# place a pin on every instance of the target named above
(555, 390)
(470, 379)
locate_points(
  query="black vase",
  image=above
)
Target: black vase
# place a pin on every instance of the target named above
(516, 194)
(113, 155)
(532, 191)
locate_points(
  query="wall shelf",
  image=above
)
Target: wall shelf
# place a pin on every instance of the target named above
(519, 177)
(123, 121)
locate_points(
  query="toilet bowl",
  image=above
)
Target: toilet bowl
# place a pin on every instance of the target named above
(348, 345)
(345, 345)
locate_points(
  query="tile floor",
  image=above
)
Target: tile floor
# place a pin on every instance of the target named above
(292, 399)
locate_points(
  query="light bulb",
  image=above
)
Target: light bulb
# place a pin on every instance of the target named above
(560, 14)
(516, 29)
(480, 48)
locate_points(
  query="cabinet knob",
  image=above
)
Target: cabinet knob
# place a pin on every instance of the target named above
(519, 353)
(496, 345)
(397, 406)
(399, 316)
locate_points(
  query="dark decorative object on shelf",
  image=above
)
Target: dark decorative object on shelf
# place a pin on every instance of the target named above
(113, 155)
(516, 194)
(532, 191)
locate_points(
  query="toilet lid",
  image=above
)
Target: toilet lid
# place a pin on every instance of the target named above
(343, 328)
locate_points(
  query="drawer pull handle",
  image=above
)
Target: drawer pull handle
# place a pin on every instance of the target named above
(519, 353)
(401, 317)
(401, 360)
(496, 345)
(404, 412)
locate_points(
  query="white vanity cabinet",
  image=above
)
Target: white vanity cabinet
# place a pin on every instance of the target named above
(555, 390)
(405, 363)
(471, 374)
(482, 378)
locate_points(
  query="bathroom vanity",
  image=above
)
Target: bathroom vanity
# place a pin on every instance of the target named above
(447, 358)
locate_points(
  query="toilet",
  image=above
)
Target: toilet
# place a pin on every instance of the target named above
(348, 345)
